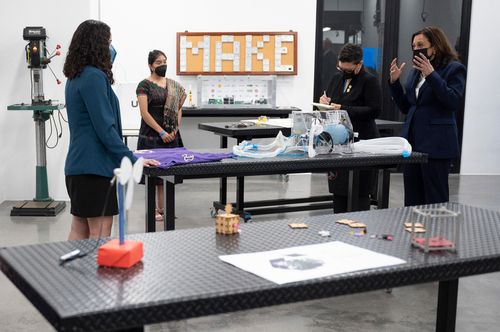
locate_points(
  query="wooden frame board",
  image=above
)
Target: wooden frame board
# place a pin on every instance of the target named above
(227, 53)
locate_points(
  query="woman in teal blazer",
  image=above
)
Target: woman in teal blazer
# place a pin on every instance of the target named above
(433, 94)
(96, 147)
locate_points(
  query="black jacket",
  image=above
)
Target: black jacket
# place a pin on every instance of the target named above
(363, 101)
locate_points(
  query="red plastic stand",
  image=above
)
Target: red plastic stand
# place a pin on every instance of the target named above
(112, 254)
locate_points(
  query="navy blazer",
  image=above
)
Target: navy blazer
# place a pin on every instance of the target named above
(95, 145)
(431, 125)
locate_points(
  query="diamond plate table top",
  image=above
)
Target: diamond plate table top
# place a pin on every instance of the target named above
(286, 164)
(181, 275)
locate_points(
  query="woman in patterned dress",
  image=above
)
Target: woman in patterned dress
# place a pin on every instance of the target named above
(160, 102)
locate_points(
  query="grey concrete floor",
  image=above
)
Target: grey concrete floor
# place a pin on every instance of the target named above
(411, 308)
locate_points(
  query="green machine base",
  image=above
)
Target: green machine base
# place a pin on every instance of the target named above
(42, 205)
(36, 208)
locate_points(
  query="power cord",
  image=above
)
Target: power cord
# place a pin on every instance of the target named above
(59, 131)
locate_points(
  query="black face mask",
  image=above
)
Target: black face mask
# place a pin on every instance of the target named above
(347, 75)
(421, 50)
(161, 70)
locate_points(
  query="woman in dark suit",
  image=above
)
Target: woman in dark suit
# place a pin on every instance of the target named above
(434, 93)
(359, 93)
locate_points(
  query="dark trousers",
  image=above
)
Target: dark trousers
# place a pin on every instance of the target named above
(340, 203)
(427, 183)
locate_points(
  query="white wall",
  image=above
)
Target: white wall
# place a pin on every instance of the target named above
(17, 132)
(137, 28)
(154, 23)
(480, 150)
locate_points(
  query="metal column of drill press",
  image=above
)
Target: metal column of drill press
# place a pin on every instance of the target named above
(37, 59)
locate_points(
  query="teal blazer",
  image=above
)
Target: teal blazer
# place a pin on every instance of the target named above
(96, 145)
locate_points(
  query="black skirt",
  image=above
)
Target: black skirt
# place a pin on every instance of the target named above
(91, 196)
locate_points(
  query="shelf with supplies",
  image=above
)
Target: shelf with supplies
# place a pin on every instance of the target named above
(237, 53)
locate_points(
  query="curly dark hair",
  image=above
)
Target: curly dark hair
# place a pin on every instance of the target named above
(437, 38)
(89, 46)
(351, 53)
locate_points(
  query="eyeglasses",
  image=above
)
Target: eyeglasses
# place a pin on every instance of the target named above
(347, 70)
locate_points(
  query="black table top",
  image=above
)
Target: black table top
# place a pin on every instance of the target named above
(236, 111)
(181, 276)
(285, 165)
(230, 129)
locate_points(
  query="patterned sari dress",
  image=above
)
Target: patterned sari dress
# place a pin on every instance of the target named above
(163, 105)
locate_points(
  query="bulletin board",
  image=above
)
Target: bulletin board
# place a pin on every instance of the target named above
(237, 53)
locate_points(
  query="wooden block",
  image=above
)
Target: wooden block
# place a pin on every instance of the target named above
(357, 225)
(345, 221)
(298, 225)
(417, 230)
(417, 225)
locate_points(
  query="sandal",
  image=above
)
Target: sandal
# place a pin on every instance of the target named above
(159, 215)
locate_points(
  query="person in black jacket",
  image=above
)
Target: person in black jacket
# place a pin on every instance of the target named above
(359, 93)
(434, 93)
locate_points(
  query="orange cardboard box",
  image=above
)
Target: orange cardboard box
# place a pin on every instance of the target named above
(112, 254)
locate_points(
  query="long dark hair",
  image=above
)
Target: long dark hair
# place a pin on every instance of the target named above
(89, 46)
(444, 52)
(153, 55)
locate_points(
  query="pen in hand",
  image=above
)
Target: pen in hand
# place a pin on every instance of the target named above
(324, 98)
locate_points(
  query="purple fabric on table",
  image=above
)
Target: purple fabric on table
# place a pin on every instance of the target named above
(178, 156)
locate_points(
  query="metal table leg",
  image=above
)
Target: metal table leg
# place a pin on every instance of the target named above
(240, 194)
(384, 178)
(223, 181)
(150, 203)
(169, 196)
(447, 306)
(353, 191)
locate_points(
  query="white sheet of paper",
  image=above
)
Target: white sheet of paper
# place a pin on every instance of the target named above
(260, 44)
(189, 45)
(248, 63)
(265, 65)
(227, 38)
(323, 106)
(194, 50)
(260, 56)
(310, 262)
(287, 123)
(265, 38)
